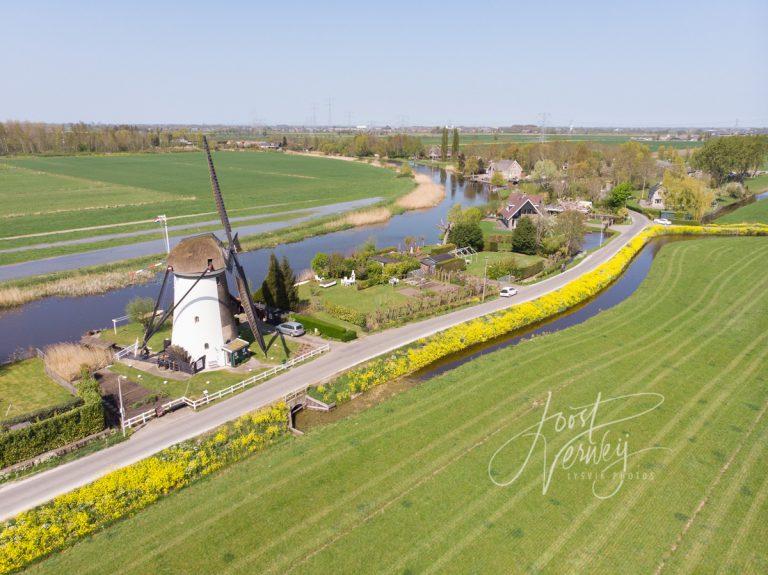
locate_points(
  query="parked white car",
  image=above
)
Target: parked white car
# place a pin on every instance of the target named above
(507, 292)
(662, 222)
(293, 328)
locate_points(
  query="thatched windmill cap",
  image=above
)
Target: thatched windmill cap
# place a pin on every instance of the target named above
(193, 255)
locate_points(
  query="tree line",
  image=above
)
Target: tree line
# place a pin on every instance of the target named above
(41, 138)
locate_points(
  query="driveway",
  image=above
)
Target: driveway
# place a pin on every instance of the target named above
(159, 434)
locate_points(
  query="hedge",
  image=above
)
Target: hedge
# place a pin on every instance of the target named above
(69, 517)
(345, 313)
(325, 328)
(56, 431)
(442, 249)
(43, 413)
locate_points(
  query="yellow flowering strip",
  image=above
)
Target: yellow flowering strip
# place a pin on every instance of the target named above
(59, 523)
(426, 351)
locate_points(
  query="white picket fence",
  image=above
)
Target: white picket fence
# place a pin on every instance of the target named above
(144, 417)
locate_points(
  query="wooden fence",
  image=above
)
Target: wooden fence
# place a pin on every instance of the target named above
(145, 416)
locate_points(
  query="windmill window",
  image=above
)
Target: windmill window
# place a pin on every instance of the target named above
(210, 262)
(197, 319)
(206, 346)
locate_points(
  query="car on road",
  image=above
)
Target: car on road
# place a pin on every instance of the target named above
(507, 292)
(293, 328)
(662, 221)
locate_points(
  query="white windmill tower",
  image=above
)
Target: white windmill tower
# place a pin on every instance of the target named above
(203, 309)
(203, 319)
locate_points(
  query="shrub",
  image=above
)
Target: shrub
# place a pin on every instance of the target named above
(466, 235)
(326, 329)
(442, 249)
(69, 517)
(140, 309)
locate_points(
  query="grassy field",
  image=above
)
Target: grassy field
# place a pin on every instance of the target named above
(757, 212)
(503, 139)
(53, 194)
(366, 300)
(477, 267)
(25, 387)
(404, 487)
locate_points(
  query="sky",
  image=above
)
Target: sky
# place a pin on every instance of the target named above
(587, 63)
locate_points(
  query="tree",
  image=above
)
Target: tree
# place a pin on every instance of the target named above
(498, 180)
(289, 281)
(273, 286)
(140, 309)
(471, 165)
(455, 143)
(405, 171)
(686, 194)
(634, 163)
(544, 171)
(284, 143)
(619, 195)
(570, 225)
(739, 154)
(524, 236)
(320, 264)
(466, 234)
(444, 145)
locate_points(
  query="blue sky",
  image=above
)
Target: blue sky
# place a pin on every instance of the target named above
(643, 63)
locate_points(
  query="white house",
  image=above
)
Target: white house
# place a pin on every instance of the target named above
(203, 322)
(510, 169)
(656, 197)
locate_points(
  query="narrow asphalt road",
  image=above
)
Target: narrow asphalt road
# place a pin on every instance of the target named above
(148, 248)
(27, 493)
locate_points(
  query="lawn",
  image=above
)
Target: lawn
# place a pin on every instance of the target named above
(366, 301)
(753, 213)
(171, 388)
(52, 194)
(25, 387)
(404, 486)
(477, 267)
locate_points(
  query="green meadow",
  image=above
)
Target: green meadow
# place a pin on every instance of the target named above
(754, 213)
(59, 193)
(406, 486)
(503, 139)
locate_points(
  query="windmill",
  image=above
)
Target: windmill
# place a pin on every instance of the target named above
(203, 310)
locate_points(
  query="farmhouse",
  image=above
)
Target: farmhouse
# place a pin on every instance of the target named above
(434, 153)
(519, 205)
(510, 169)
(656, 197)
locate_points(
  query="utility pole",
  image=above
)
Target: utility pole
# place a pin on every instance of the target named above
(120, 395)
(485, 276)
(163, 220)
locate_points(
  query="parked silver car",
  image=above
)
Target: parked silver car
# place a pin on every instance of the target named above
(293, 328)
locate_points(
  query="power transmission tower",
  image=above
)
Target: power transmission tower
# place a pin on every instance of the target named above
(543, 127)
(330, 113)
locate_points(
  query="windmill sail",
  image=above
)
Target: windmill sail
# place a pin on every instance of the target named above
(234, 246)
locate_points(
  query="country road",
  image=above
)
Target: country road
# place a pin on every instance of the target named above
(179, 426)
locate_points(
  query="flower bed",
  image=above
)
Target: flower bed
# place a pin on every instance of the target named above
(423, 352)
(59, 523)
